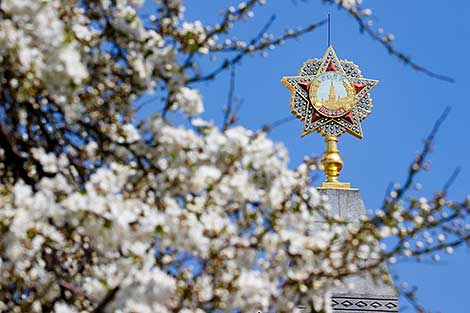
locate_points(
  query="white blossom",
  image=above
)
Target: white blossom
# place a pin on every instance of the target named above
(189, 101)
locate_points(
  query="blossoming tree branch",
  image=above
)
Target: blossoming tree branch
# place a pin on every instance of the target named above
(101, 213)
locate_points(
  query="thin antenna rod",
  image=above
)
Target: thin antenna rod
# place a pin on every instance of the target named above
(329, 30)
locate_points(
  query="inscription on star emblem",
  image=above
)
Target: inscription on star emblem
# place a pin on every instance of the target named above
(330, 96)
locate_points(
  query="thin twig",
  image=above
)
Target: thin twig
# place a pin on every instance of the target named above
(269, 127)
(106, 300)
(228, 116)
(77, 291)
(364, 27)
(222, 27)
(451, 179)
(235, 59)
(421, 157)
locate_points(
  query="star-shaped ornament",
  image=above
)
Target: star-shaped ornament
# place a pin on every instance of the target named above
(330, 96)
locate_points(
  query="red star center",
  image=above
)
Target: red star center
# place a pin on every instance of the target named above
(358, 87)
(349, 118)
(305, 85)
(315, 116)
(331, 67)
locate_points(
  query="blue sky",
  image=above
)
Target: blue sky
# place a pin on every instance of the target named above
(406, 104)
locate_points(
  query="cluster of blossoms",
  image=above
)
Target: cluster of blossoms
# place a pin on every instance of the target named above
(99, 213)
(187, 237)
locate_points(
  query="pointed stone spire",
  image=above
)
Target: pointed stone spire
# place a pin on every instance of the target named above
(332, 98)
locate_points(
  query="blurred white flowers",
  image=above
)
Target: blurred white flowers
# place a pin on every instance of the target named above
(189, 101)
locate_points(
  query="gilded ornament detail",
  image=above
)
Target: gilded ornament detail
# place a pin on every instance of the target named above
(331, 97)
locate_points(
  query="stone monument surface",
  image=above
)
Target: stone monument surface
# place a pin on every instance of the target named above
(367, 294)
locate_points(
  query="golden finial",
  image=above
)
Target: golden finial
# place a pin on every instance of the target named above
(331, 97)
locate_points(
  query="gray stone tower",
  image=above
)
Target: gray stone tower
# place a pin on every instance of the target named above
(367, 295)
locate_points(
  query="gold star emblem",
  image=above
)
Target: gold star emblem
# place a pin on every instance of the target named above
(330, 96)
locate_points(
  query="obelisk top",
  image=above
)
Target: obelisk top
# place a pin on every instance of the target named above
(331, 97)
